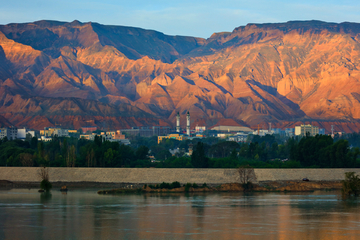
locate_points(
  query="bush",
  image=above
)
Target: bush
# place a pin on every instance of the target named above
(247, 186)
(44, 175)
(165, 185)
(176, 185)
(187, 187)
(204, 185)
(351, 184)
(45, 185)
(195, 185)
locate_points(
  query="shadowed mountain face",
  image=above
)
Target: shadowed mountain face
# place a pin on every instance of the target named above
(78, 74)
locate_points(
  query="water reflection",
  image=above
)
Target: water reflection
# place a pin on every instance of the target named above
(45, 197)
(26, 214)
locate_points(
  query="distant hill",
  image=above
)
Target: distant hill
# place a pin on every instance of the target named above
(117, 77)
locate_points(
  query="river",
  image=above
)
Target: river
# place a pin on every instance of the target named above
(83, 214)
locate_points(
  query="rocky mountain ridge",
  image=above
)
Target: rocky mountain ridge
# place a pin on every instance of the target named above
(78, 74)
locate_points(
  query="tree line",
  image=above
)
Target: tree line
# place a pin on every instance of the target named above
(268, 151)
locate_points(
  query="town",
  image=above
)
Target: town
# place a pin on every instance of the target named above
(227, 130)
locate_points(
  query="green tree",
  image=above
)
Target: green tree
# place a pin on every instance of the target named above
(109, 157)
(222, 149)
(142, 153)
(90, 158)
(351, 184)
(26, 159)
(34, 143)
(198, 158)
(71, 157)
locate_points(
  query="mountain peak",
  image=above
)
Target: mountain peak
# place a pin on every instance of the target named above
(75, 23)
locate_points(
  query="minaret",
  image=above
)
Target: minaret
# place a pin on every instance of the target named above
(178, 122)
(188, 124)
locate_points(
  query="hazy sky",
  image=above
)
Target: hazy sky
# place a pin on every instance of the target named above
(198, 18)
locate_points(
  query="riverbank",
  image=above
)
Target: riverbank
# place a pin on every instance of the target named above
(113, 188)
(268, 186)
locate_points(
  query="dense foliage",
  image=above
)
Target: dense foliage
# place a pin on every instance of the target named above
(351, 184)
(259, 152)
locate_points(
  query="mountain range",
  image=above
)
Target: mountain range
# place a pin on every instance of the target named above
(77, 74)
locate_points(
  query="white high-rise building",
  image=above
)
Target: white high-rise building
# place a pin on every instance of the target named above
(188, 123)
(178, 122)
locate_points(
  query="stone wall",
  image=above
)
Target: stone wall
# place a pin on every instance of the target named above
(158, 175)
(315, 174)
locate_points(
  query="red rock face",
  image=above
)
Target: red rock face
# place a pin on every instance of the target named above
(116, 77)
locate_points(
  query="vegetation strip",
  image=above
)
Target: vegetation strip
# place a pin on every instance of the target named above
(273, 186)
(269, 151)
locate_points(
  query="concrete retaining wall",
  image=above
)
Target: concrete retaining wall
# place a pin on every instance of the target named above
(158, 175)
(315, 174)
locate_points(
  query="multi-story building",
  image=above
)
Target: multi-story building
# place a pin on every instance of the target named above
(46, 132)
(177, 136)
(108, 136)
(239, 137)
(278, 131)
(118, 135)
(50, 132)
(289, 132)
(200, 129)
(224, 135)
(147, 131)
(10, 133)
(303, 129)
(22, 132)
(45, 138)
(88, 136)
(263, 132)
(60, 132)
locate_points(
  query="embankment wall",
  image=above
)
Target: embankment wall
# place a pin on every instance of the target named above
(158, 175)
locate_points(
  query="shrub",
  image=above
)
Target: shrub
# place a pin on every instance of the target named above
(44, 175)
(195, 185)
(165, 185)
(176, 185)
(247, 186)
(46, 185)
(204, 185)
(351, 184)
(246, 174)
(187, 187)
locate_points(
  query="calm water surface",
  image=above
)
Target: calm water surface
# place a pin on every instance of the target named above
(83, 214)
